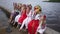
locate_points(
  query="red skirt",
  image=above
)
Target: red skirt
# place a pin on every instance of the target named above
(22, 18)
(32, 26)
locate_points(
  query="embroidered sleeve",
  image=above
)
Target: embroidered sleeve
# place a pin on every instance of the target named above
(43, 23)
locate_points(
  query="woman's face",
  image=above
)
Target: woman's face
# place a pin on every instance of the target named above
(36, 9)
(15, 5)
(23, 9)
(28, 9)
(19, 6)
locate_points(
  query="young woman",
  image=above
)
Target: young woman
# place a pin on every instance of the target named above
(18, 16)
(14, 13)
(42, 25)
(19, 5)
(29, 17)
(23, 15)
(33, 26)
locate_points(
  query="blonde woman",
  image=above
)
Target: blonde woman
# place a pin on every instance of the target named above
(34, 25)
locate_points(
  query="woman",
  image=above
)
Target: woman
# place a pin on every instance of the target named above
(29, 16)
(23, 15)
(19, 8)
(14, 13)
(33, 24)
(19, 5)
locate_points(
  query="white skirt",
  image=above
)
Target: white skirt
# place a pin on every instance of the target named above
(26, 22)
(41, 30)
(17, 18)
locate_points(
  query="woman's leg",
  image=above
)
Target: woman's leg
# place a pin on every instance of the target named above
(36, 33)
(28, 33)
(19, 25)
(41, 33)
